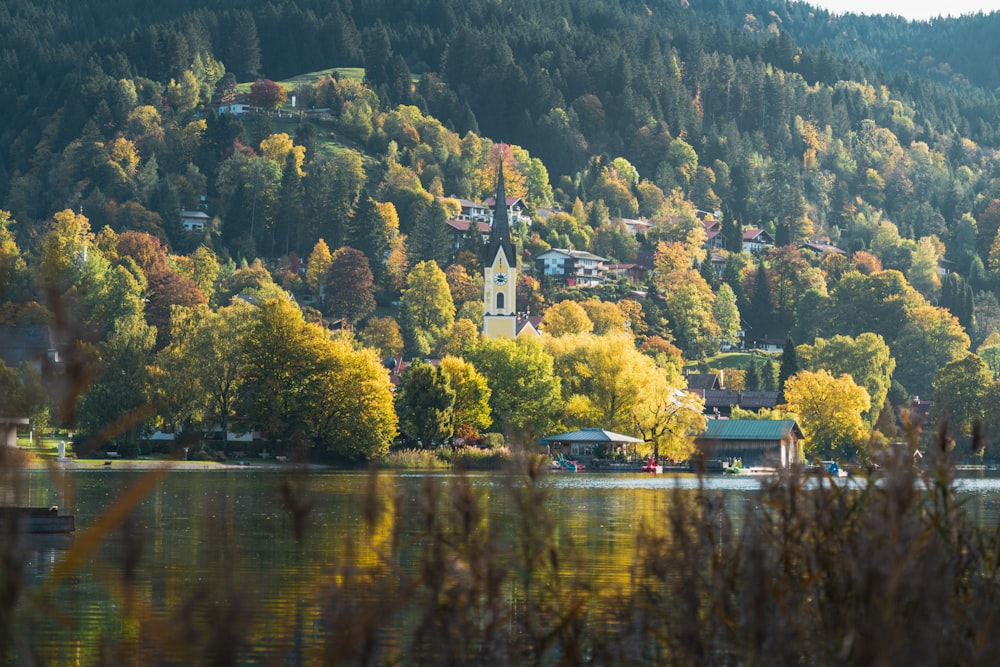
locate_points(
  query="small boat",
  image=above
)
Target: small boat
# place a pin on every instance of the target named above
(36, 520)
(562, 464)
(652, 467)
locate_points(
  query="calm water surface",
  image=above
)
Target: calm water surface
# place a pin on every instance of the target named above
(230, 533)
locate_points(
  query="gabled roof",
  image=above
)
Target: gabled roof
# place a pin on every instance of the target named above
(532, 323)
(598, 435)
(463, 226)
(758, 235)
(574, 254)
(750, 429)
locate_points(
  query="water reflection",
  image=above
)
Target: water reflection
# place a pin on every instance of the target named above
(228, 537)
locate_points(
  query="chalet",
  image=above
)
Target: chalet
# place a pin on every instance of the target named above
(471, 210)
(714, 238)
(634, 227)
(459, 228)
(517, 210)
(575, 267)
(239, 105)
(194, 221)
(718, 263)
(756, 442)
(823, 249)
(633, 273)
(755, 240)
(946, 267)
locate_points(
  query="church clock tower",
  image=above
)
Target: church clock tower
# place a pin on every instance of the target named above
(500, 273)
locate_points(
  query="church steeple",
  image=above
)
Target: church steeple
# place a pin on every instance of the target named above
(500, 235)
(500, 273)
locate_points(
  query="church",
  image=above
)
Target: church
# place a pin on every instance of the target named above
(500, 316)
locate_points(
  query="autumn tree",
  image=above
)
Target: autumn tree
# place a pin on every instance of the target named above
(383, 335)
(318, 269)
(866, 359)
(350, 286)
(202, 368)
(830, 410)
(267, 94)
(565, 318)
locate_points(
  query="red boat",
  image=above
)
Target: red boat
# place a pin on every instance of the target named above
(652, 467)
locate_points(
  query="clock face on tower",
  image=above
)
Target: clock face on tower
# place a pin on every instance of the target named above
(500, 279)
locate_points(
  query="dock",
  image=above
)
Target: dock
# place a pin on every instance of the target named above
(36, 520)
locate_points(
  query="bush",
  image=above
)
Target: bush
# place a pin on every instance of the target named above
(411, 459)
(492, 441)
(475, 458)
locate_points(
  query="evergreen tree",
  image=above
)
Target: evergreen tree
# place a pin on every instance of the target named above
(789, 367)
(366, 231)
(430, 238)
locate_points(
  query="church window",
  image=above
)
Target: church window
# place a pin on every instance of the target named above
(500, 301)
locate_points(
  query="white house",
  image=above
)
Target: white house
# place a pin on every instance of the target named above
(194, 221)
(576, 267)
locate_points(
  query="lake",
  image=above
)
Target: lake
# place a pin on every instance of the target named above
(211, 548)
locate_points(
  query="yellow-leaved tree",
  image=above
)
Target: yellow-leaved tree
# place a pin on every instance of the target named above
(831, 410)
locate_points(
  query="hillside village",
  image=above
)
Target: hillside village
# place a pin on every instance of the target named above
(706, 209)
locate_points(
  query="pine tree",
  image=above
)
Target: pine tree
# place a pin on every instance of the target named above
(789, 367)
(367, 232)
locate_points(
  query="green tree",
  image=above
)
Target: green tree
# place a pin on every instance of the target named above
(932, 338)
(427, 307)
(471, 415)
(201, 371)
(523, 385)
(426, 404)
(726, 314)
(960, 391)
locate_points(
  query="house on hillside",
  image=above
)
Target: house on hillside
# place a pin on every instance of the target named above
(517, 210)
(575, 267)
(756, 442)
(194, 221)
(822, 249)
(471, 210)
(634, 227)
(633, 273)
(714, 238)
(459, 228)
(756, 240)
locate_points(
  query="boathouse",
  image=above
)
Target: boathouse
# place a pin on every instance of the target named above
(756, 442)
(586, 443)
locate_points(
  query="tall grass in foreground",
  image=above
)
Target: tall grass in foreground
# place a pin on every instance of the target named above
(888, 571)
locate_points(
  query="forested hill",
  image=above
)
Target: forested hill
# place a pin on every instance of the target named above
(858, 158)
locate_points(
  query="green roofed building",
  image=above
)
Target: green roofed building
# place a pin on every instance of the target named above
(586, 443)
(756, 442)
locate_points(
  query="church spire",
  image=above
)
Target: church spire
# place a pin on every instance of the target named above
(500, 235)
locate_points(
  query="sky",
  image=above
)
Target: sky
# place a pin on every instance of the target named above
(912, 9)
